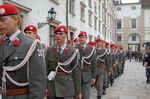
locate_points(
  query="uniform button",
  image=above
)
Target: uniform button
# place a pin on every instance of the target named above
(16, 58)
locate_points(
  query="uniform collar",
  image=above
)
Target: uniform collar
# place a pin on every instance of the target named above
(62, 47)
(12, 37)
(83, 45)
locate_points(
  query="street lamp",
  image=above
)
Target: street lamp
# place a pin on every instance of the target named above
(51, 16)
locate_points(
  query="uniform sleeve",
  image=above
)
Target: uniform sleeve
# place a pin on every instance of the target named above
(107, 61)
(37, 75)
(77, 75)
(94, 66)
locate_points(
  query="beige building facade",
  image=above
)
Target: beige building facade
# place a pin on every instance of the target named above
(132, 26)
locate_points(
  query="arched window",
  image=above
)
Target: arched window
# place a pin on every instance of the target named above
(133, 38)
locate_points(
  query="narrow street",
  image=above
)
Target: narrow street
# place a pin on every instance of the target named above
(131, 85)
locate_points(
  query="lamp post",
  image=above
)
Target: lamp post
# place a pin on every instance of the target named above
(51, 16)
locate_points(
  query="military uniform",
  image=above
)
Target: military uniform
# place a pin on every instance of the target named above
(65, 84)
(101, 70)
(1, 58)
(112, 64)
(63, 70)
(88, 68)
(23, 67)
(108, 66)
(13, 55)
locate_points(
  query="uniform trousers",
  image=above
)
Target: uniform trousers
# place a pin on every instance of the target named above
(25, 96)
(85, 87)
(61, 98)
(99, 84)
(105, 79)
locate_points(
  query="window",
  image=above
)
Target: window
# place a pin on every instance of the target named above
(133, 8)
(133, 38)
(118, 8)
(104, 14)
(103, 30)
(119, 24)
(95, 23)
(95, 7)
(90, 19)
(82, 14)
(133, 23)
(90, 3)
(99, 11)
(119, 38)
(52, 37)
(72, 6)
(99, 27)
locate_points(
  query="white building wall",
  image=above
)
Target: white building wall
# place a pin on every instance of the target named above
(147, 24)
(147, 18)
(127, 12)
(40, 10)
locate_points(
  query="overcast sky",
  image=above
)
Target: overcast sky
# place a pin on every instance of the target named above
(129, 1)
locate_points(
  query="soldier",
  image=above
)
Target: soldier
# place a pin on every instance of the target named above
(108, 63)
(112, 63)
(76, 42)
(64, 74)
(88, 65)
(31, 31)
(24, 70)
(69, 42)
(124, 57)
(101, 68)
(2, 39)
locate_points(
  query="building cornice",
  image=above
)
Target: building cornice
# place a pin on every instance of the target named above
(24, 8)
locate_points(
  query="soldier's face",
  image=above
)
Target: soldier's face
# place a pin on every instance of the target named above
(8, 24)
(99, 44)
(60, 37)
(83, 39)
(77, 42)
(31, 34)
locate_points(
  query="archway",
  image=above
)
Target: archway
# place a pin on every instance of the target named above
(134, 42)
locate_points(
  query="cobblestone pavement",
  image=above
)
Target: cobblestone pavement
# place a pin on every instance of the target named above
(131, 85)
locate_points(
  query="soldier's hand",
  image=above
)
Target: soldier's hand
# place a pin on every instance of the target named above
(109, 73)
(93, 81)
(114, 65)
(79, 96)
(46, 93)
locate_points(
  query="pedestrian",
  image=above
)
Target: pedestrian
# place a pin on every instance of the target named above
(63, 69)
(147, 64)
(24, 70)
(88, 65)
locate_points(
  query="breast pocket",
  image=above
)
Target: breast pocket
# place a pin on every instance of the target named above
(16, 59)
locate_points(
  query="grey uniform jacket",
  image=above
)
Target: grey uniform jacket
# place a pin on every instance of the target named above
(101, 59)
(13, 55)
(65, 85)
(87, 75)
